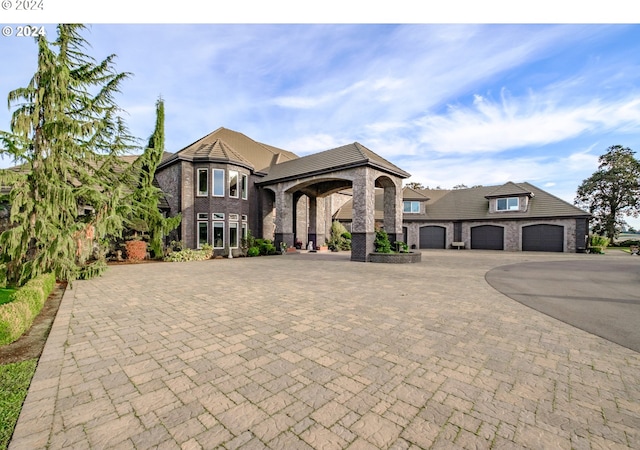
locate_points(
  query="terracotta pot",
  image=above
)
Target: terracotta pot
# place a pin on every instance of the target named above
(136, 250)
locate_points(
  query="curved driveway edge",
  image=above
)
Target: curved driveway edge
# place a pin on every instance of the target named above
(314, 351)
(600, 295)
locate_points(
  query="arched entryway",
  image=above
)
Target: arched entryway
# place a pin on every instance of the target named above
(319, 176)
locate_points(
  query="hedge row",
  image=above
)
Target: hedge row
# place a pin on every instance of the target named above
(17, 316)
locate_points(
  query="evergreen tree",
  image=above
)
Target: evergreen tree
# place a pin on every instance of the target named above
(66, 132)
(145, 215)
(613, 191)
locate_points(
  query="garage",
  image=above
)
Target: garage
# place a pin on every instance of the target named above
(487, 237)
(543, 238)
(432, 237)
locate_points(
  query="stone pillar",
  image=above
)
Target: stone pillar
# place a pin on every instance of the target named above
(284, 218)
(363, 223)
(317, 221)
(188, 224)
(393, 213)
(267, 213)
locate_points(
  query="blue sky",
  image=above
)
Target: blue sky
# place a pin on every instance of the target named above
(451, 104)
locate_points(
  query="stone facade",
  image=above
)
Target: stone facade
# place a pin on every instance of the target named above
(512, 232)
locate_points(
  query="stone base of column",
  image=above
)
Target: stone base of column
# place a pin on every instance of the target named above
(361, 246)
(287, 238)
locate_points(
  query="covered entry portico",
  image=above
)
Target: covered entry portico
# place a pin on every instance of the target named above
(320, 175)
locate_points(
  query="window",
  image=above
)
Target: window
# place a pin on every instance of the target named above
(411, 207)
(244, 217)
(233, 234)
(218, 234)
(507, 204)
(233, 183)
(203, 234)
(218, 183)
(244, 186)
(244, 230)
(217, 216)
(233, 217)
(203, 216)
(203, 182)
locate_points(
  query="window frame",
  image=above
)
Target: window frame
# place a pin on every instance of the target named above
(199, 171)
(236, 244)
(206, 227)
(214, 192)
(506, 201)
(234, 174)
(244, 186)
(218, 225)
(412, 203)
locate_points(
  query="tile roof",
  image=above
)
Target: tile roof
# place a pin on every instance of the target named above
(509, 189)
(412, 194)
(230, 146)
(347, 156)
(473, 204)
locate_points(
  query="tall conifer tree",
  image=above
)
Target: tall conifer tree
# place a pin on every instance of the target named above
(67, 133)
(146, 196)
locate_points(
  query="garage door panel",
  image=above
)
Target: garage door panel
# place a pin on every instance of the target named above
(543, 238)
(432, 237)
(487, 237)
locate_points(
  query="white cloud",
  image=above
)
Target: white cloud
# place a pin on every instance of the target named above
(490, 126)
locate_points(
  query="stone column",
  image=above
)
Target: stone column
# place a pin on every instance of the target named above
(188, 224)
(267, 214)
(393, 213)
(363, 223)
(316, 221)
(284, 218)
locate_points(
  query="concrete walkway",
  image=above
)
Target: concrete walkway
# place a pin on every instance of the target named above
(315, 351)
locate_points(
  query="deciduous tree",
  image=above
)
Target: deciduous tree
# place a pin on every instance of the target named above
(613, 191)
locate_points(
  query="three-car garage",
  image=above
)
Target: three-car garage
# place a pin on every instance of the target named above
(534, 238)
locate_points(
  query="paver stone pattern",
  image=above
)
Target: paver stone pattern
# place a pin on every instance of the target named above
(314, 351)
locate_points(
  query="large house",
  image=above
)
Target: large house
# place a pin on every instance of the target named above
(226, 184)
(512, 216)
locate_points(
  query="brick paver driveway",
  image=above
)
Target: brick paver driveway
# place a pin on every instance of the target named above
(315, 351)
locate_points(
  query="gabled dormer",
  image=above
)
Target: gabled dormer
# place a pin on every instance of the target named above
(413, 202)
(509, 198)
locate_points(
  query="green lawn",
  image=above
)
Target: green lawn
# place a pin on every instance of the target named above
(14, 383)
(4, 295)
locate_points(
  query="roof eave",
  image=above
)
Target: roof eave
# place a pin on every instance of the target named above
(352, 165)
(199, 159)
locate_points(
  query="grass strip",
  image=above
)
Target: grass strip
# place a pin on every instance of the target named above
(5, 293)
(14, 383)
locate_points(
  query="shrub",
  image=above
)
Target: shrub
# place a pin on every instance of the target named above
(339, 237)
(26, 303)
(266, 247)
(401, 247)
(627, 243)
(382, 244)
(189, 254)
(598, 243)
(253, 251)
